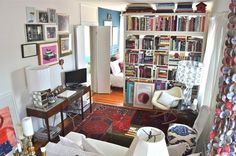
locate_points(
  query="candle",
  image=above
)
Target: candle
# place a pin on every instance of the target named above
(19, 132)
(27, 126)
(19, 147)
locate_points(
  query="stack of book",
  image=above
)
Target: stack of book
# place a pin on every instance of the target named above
(165, 7)
(139, 7)
(41, 134)
(164, 43)
(184, 7)
(129, 92)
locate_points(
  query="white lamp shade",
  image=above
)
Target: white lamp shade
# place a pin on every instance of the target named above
(27, 126)
(143, 146)
(38, 78)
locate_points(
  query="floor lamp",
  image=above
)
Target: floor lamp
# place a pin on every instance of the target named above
(189, 73)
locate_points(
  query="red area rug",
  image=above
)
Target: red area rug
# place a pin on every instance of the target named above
(95, 125)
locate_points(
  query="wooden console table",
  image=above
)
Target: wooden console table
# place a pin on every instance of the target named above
(59, 106)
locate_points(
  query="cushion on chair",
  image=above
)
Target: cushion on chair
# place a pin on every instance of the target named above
(115, 68)
(168, 100)
(178, 133)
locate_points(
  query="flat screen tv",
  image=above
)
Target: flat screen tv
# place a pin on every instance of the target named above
(76, 77)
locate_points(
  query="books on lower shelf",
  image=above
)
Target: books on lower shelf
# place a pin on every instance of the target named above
(41, 134)
(129, 92)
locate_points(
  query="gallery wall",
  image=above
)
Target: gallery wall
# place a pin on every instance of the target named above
(13, 19)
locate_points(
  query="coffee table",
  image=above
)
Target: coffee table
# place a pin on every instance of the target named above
(122, 138)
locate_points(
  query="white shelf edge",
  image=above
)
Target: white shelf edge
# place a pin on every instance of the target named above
(166, 14)
(169, 33)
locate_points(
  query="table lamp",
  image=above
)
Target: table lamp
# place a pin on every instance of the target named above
(39, 82)
(189, 73)
(149, 141)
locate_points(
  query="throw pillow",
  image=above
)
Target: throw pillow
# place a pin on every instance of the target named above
(167, 99)
(115, 68)
(89, 147)
(67, 142)
(178, 133)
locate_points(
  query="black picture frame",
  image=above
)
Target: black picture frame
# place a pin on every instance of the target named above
(34, 32)
(29, 50)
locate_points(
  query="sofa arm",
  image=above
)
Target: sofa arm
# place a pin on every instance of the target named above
(178, 149)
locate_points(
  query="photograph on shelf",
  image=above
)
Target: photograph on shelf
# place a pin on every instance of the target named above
(51, 15)
(143, 93)
(30, 15)
(50, 32)
(48, 53)
(42, 16)
(63, 23)
(34, 32)
(28, 50)
(65, 47)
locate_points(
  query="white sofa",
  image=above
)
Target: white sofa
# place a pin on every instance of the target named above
(105, 148)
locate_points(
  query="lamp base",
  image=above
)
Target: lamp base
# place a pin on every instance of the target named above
(187, 99)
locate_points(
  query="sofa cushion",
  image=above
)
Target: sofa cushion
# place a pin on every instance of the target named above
(67, 142)
(90, 148)
(178, 133)
(168, 100)
(115, 68)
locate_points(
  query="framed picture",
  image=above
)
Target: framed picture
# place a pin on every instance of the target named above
(48, 53)
(51, 15)
(42, 16)
(143, 93)
(8, 121)
(63, 23)
(50, 32)
(30, 15)
(28, 50)
(65, 47)
(34, 32)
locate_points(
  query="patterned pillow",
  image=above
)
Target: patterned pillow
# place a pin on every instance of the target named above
(178, 133)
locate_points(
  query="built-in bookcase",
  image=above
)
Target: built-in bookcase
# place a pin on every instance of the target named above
(156, 42)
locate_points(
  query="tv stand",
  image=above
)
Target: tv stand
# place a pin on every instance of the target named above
(74, 86)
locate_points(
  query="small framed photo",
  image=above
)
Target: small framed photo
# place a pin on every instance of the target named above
(34, 32)
(42, 16)
(143, 93)
(51, 15)
(30, 15)
(28, 50)
(50, 32)
(48, 53)
(65, 47)
(63, 23)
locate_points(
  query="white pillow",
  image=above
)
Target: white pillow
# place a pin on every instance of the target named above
(167, 99)
(90, 148)
(67, 142)
(115, 68)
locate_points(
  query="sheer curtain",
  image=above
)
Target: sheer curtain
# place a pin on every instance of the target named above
(212, 62)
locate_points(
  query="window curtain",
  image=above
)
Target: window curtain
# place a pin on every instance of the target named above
(212, 61)
(121, 45)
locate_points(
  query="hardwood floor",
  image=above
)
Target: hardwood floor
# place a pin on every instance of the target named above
(115, 98)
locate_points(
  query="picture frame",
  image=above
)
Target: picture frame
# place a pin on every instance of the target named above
(65, 47)
(29, 50)
(50, 32)
(30, 15)
(42, 16)
(34, 32)
(48, 53)
(51, 15)
(143, 93)
(63, 23)
(8, 113)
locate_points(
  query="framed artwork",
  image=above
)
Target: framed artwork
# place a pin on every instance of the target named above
(8, 119)
(34, 32)
(42, 16)
(50, 32)
(65, 47)
(28, 50)
(30, 15)
(143, 93)
(63, 23)
(51, 15)
(48, 53)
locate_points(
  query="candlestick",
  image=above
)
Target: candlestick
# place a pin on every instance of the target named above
(19, 132)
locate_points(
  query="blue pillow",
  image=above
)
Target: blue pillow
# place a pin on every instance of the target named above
(178, 133)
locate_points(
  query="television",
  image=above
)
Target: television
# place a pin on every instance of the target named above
(76, 77)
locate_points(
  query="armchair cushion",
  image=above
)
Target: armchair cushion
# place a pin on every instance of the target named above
(178, 133)
(168, 100)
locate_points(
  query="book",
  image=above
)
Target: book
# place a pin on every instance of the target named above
(66, 93)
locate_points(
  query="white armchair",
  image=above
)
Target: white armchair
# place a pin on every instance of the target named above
(165, 99)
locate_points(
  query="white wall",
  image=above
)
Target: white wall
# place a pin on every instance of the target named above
(12, 35)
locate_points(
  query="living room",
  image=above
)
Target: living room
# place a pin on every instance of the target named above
(14, 91)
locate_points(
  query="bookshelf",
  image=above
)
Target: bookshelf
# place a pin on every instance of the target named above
(156, 42)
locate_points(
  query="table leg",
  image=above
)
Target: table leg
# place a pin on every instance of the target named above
(82, 107)
(62, 124)
(48, 129)
(90, 101)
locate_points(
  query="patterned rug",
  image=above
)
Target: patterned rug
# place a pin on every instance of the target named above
(96, 124)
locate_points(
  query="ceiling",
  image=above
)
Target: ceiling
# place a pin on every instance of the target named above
(120, 5)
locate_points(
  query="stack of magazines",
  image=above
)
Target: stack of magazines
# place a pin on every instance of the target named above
(42, 135)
